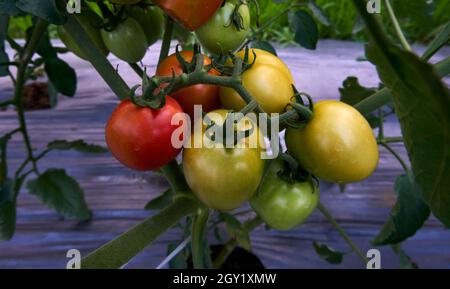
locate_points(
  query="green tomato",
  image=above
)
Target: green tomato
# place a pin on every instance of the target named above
(127, 41)
(151, 20)
(87, 20)
(219, 34)
(283, 205)
(223, 178)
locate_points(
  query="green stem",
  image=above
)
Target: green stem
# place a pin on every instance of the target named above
(395, 154)
(398, 29)
(25, 57)
(136, 68)
(392, 139)
(381, 127)
(175, 177)
(383, 96)
(119, 251)
(198, 242)
(232, 243)
(341, 231)
(167, 38)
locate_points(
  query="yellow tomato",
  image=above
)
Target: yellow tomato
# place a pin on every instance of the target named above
(337, 145)
(269, 81)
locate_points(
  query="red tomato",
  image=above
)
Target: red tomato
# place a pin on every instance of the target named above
(190, 13)
(208, 96)
(140, 137)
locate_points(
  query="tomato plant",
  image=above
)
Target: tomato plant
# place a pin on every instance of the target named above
(337, 145)
(140, 137)
(201, 94)
(151, 20)
(191, 14)
(327, 141)
(223, 179)
(223, 33)
(284, 204)
(269, 81)
(127, 41)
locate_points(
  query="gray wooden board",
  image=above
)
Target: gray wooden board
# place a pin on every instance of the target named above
(117, 195)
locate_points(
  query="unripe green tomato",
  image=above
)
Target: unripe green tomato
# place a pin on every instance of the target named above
(219, 34)
(224, 178)
(283, 205)
(337, 145)
(127, 41)
(151, 20)
(87, 20)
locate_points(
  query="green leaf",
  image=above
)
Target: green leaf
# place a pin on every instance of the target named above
(161, 201)
(422, 104)
(352, 92)
(3, 32)
(237, 230)
(77, 145)
(45, 9)
(7, 210)
(440, 41)
(405, 261)
(264, 45)
(8, 7)
(408, 215)
(61, 192)
(328, 254)
(62, 76)
(305, 28)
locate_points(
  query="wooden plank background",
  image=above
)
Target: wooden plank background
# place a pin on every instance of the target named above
(117, 195)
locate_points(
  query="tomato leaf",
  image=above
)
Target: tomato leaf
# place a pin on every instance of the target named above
(45, 9)
(77, 145)
(52, 93)
(352, 92)
(408, 215)
(161, 201)
(7, 210)
(328, 254)
(237, 230)
(3, 32)
(62, 76)
(422, 104)
(60, 192)
(264, 45)
(440, 41)
(305, 28)
(8, 7)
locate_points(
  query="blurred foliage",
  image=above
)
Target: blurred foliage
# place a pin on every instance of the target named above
(420, 20)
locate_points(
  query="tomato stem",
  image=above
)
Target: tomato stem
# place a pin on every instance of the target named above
(199, 242)
(167, 38)
(395, 154)
(341, 231)
(175, 177)
(120, 250)
(397, 28)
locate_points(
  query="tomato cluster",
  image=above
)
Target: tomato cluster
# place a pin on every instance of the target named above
(335, 144)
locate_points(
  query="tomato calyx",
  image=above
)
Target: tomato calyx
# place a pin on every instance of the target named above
(218, 132)
(151, 97)
(292, 172)
(240, 65)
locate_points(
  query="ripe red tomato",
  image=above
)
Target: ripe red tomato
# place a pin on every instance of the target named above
(140, 137)
(208, 96)
(190, 13)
